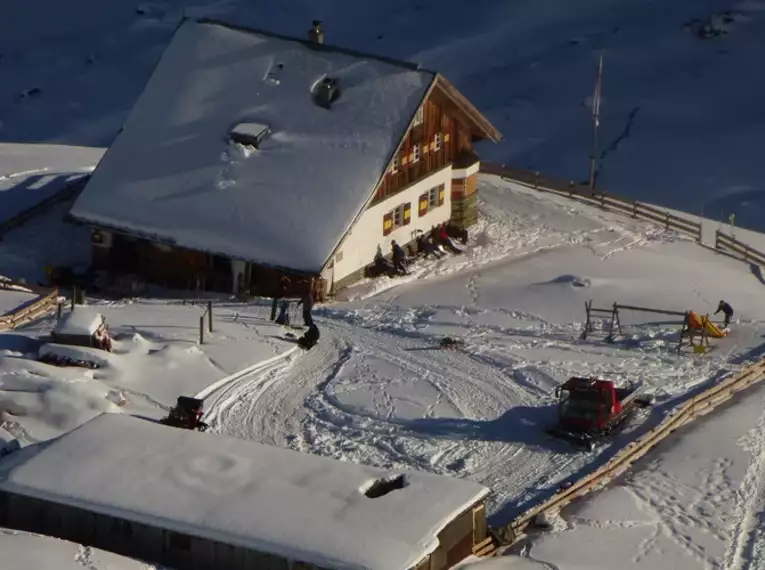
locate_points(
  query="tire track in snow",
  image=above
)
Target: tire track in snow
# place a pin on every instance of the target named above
(225, 392)
(301, 406)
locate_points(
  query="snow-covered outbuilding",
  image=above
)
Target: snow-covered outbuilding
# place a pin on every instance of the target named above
(195, 500)
(82, 327)
(262, 163)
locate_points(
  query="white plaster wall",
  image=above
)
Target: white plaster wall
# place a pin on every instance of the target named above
(360, 245)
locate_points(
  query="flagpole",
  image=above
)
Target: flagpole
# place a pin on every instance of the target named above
(595, 123)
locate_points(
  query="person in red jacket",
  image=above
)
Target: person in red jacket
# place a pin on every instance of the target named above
(446, 241)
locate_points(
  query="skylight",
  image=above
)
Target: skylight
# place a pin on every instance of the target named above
(250, 134)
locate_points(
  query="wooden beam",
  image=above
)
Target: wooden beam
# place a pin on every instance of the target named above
(481, 124)
(649, 310)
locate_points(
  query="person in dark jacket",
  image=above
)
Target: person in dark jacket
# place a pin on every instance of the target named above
(310, 338)
(284, 317)
(399, 257)
(307, 303)
(727, 311)
(428, 248)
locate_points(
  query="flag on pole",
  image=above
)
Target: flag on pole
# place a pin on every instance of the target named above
(597, 95)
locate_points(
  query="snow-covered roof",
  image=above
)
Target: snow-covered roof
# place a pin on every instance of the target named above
(80, 322)
(300, 506)
(173, 175)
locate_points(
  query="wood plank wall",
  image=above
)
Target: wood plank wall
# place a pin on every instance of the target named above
(455, 137)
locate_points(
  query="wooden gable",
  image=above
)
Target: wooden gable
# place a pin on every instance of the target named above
(448, 129)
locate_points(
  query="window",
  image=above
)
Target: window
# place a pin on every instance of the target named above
(438, 141)
(399, 216)
(433, 197)
(250, 134)
(416, 153)
(395, 165)
(436, 196)
(419, 116)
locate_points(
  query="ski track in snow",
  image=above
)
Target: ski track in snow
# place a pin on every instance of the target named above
(497, 402)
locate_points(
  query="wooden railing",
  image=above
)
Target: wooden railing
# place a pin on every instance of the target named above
(699, 405)
(603, 200)
(45, 303)
(724, 243)
(729, 245)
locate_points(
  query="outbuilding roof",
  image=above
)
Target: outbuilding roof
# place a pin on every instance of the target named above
(80, 322)
(298, 506)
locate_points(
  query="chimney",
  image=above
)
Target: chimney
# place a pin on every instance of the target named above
(316, 33)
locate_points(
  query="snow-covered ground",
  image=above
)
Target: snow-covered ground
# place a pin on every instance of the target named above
(376, 390)
(156, 358)
(698, 501)
(25, 551)
(681, 114)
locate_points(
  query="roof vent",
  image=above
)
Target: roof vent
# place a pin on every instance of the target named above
(316, 33)
(250, 134)
(381, 487)
(326, 92)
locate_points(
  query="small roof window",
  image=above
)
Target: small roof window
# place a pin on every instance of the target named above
(250, 134)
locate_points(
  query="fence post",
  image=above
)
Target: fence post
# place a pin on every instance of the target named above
(634, 209)
(603, 201)
(74, 294)
(536, 181)
(201, 329)
(667, 220)
(209, 315)
(58, 312)
(570, 188)
(746, 253)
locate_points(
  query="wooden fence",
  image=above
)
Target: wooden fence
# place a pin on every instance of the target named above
(603, 200)
(699, 405)
(45, 303)
(729, 245)
(724, 243)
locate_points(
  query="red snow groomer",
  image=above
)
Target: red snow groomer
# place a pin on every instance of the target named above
(186, 414)
(590, 409)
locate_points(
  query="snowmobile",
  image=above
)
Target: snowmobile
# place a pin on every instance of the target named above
(186, 414)
(589, 410)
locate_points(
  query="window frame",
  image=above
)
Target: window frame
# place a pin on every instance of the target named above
(419, 117)
(395, 165)
(416, 152)
(438, 141)
(433, 197)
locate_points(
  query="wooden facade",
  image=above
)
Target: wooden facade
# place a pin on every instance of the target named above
(180, 268)
(158, 545)
(429, 146)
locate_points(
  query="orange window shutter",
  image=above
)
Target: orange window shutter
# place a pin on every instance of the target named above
(407, 213)
(423, 209)
(441, 194)
(387, 223)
